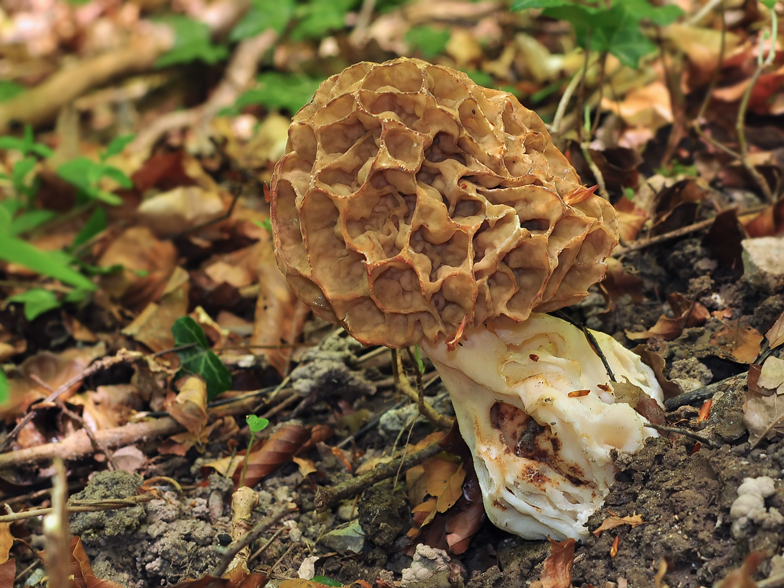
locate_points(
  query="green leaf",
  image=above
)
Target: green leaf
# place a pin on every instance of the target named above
(7, 210)
(526, 4)
(36, 302)
(318, 17)
(263, 15)
(481, 78)
(118, 176)
(47, 263)
(420, 365)
(769, 4)
(29, 220)
(327, 581)
(276, 90)
(256, 424)
(200, 359)
(85, 174)
(94, 225)
(12, 143)
(429, 41)
(10, 90)
(5, 391)
(116, 146)
(191, 42)
(660, 15)
(21, 169)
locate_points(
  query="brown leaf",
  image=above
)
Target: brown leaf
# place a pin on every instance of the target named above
(677, 205)
(657, 363)
(617, 282)
(8, 573)
(723, 239)
(775, 334)
(189, 407)
(53, 368)
(739, 343)
(280, 315)
(762, 413)
(650, 409)
(768, 223)
(557, 571)
(137, 250)
(612, 522)
(6, 541)
(281, 446)
(463, 526)
(306, 466)
(152, 327)
(671, 328)
(236, 578)
(82, 571)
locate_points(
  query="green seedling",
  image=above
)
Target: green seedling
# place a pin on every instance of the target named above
(428, 40)
(191, 43)
(256, 425)
(276, 90)
(86, 174)
(4, 388)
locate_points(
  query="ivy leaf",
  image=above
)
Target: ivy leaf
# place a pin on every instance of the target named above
(192, 41)
(200, 359)
(277, 90)
(36, 302)
(263, 15)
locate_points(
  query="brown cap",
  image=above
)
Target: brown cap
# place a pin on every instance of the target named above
(411, 200)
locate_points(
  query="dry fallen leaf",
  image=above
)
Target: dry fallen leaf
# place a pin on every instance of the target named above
(612, 521)
(557, 571)
(741, 577)
(775, 334)
(738, 342)
(6, 542)
(687, 314)
(189, 407)
(281, 446)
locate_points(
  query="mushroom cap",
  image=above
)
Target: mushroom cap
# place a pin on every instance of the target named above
(412, 203)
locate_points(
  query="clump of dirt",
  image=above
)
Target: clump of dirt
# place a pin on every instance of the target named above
(684, 499)
(157, 543)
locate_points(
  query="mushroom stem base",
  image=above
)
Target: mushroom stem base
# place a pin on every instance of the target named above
(538, 411)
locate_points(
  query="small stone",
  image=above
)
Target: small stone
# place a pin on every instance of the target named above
(763, 263)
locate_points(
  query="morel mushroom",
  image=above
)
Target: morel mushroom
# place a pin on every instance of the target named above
(416, 207)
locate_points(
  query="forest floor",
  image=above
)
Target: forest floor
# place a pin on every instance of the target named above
(140, 300)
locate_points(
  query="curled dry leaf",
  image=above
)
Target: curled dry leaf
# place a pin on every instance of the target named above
(189, 407)
(6, 542)
(612, 522)
(281, 446)
(82, 571)
(741, 577)
(8, 573)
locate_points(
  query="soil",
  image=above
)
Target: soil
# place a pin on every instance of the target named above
(681, 488)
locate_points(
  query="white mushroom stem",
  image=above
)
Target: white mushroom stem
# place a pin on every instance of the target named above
(537, 409)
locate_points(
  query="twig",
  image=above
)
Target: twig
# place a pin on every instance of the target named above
(57, 532)
(236, 546)
(78, 444)
(80, 506)
(686, 432)
(239, 75)
(328, 497)
(683, 231)
(264, 547)
(122, 356)
(702, 394)
(555, 128)
(740, 126)
(431, 414)
(100, 447)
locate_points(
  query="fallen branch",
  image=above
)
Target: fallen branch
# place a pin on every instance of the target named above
(328, 497)
(238, 77)
(79, 444)
(685, 432)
